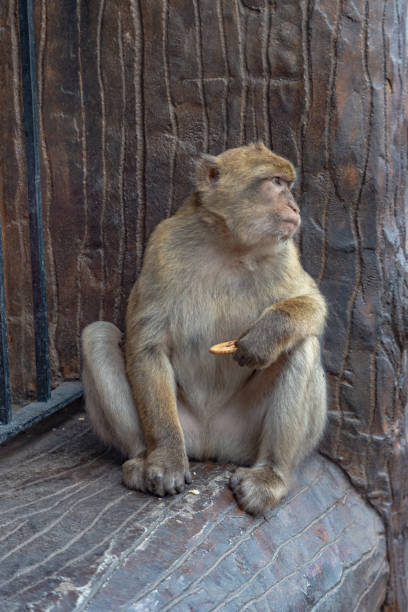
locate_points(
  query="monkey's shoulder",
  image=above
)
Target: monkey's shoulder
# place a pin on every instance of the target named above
(174, 252)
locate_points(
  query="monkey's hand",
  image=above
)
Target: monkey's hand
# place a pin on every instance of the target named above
(261, 344)
(166, 471)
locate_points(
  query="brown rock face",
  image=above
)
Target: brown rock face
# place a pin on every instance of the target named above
(73, 537)
(130, 91)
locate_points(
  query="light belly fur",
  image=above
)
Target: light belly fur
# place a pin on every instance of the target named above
(212, 399)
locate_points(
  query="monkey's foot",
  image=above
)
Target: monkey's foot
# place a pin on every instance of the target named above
(133, 473)
(257, 489)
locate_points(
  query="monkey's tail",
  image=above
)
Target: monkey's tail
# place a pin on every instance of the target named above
(108, 397)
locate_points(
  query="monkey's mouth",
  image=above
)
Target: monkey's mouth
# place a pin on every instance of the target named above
(292, 221)
(289, 227)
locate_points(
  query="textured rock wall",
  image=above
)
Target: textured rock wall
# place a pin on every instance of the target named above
(130, 91)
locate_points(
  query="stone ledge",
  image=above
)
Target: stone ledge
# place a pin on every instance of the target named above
(73, 538)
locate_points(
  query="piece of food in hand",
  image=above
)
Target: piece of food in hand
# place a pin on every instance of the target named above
(224, 348)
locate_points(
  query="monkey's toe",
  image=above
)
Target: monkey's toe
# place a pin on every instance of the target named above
(133, 474)
(257, 490)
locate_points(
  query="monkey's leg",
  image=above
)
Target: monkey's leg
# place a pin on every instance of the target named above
(294, 421)
(109, 400)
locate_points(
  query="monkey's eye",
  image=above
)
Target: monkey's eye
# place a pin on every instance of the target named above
(276, 180)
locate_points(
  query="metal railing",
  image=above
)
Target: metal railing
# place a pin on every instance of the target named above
(47, 401)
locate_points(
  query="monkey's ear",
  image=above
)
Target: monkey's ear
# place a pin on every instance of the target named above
(259, 146)
(207, 172)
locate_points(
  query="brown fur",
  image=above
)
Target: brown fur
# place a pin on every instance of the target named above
(223, 267)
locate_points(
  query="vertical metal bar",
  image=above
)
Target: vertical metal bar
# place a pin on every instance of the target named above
(29, 88)
(5, 397)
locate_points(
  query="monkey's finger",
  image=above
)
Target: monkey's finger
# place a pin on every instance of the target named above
(170, 487)
(155, 482)
(188, 478)
(224, 348)
(179, 484)
(241, 359)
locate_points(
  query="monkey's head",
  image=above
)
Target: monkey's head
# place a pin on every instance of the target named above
(249, 188)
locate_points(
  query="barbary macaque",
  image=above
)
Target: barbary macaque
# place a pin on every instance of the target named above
(224, 267)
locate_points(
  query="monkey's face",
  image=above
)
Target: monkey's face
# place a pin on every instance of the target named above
(264, 212)
(249, 188)
(275, 208)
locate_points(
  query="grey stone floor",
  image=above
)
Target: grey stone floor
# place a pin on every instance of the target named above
(73, 538)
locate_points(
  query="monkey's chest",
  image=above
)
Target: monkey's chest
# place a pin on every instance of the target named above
(213, 313)
(217, 309)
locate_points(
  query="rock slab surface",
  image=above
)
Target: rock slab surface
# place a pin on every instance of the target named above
(74, 538)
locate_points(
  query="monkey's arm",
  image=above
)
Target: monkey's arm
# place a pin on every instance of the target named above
(152, 382)
(279, 328)
(151, 377)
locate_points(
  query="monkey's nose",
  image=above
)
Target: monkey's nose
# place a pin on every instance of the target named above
(292, 204)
